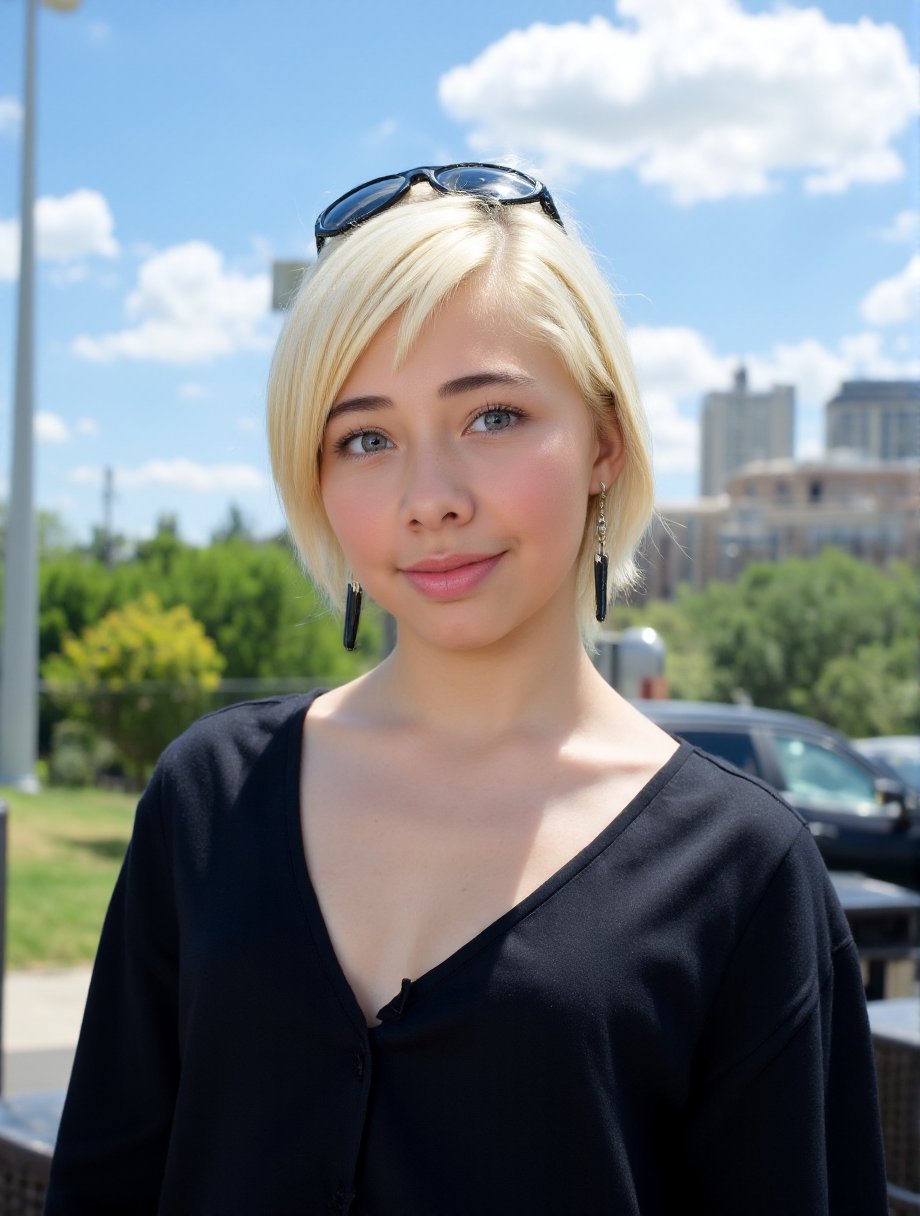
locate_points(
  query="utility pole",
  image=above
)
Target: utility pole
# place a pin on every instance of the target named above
(19, 651)
(19, 646)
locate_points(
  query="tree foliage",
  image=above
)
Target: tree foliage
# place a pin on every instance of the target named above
(265, 618)
(140, 675)
(832, 637)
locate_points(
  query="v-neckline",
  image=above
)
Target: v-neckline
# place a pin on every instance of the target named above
(503, 923)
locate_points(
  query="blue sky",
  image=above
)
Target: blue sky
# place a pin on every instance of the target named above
(746, 172)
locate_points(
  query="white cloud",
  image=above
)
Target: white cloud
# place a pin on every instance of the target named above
(10, 115)
(866, 359)
(379, 134)
(702, 98)
(9, 249)
(66, 276)
(86, 426)
(73, 226)
(188, 309)
(905, 227)
(817, 372)
(675, 364)
(896, 299)
(180, 474)
(50, 428)
(99, 32)
(192, 390)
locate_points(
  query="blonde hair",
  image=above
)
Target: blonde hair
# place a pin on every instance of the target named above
(411, 258)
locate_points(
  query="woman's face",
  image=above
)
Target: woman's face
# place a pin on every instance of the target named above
(458, 484)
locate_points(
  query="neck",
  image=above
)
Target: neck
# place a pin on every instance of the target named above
(538, 681)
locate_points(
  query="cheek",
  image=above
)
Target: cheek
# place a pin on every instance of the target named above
(351, 514)
(551, 490)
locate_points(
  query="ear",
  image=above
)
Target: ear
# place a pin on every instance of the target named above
(611, 455)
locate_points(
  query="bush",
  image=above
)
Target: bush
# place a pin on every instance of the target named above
(142, 674)
(71, 762)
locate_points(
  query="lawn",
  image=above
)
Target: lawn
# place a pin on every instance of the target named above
(64, 851)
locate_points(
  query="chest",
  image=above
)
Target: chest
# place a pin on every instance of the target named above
(410, 862)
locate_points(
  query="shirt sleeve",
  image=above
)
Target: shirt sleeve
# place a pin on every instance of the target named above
(785, 1113)
(114, 1133)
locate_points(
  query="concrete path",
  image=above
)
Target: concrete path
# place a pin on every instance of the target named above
(42, 1011)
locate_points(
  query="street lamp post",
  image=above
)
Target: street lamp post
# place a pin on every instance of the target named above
(19, 647)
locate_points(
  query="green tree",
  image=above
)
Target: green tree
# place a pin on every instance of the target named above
(872, 692)
(235, 526)
(264, 616)
(773, 632)
(832, 637)
(140, 675)
(74, 591)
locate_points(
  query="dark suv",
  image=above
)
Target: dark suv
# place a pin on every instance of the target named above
(861, 818)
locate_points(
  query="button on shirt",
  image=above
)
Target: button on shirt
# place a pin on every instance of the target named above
(672, 1023)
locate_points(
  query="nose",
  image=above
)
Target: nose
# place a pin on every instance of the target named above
(435, 493)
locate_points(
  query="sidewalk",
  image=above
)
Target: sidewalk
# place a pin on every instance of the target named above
(42, 1011)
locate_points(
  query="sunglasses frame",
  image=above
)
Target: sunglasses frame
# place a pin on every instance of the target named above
(429, 173)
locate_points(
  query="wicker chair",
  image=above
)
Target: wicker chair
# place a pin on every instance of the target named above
(896, 1038)
(28, 1128)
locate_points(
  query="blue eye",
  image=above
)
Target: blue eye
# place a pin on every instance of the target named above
(495, 420)
(363, 443)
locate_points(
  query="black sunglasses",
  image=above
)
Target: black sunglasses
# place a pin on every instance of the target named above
(494, 183)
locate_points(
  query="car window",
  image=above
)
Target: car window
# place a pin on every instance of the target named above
(907, 768)
(816, 773)
(733, 746)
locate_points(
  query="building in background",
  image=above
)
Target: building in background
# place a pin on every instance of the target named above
(684, 546)
(877, 418)
(777, 509)
(740, 426)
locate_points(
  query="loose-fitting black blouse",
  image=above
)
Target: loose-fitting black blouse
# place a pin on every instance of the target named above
(673, 1023)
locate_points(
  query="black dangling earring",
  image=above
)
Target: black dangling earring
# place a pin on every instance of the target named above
(600, 557)
(352, 614)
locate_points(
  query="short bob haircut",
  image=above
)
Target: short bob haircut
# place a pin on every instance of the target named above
(410, 259)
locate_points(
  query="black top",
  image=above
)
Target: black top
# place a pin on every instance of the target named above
(672, 1023)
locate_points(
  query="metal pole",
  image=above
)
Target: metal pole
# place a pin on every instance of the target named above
(19, 650)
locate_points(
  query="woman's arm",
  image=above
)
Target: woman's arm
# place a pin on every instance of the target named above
(785, 1118)
(115, 1127)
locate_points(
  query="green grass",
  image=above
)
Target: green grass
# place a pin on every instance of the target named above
(64, 851)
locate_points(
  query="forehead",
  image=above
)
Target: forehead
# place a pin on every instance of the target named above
(470, 332)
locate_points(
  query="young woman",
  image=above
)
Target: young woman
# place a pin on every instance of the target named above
(469, 935)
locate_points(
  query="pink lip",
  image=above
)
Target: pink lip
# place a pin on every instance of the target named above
(451, 576)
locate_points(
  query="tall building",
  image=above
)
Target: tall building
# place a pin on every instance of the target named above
(877, 418)
(778, 509)
(740, 426)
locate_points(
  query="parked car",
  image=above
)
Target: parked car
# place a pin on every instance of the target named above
(898, 753)
(861, 817)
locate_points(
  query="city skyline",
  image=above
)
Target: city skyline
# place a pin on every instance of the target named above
(746, 210)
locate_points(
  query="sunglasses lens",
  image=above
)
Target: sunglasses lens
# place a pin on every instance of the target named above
(486, 181)
(361, 203)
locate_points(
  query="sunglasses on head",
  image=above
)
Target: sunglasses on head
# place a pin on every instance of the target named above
(493, 183)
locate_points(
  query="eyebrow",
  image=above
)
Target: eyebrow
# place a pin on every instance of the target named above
(356, 404)
(451, 388)
(469, 384)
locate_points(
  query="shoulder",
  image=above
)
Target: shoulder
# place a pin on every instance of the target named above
(729, 809)
(218, 752)
(740, 852)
